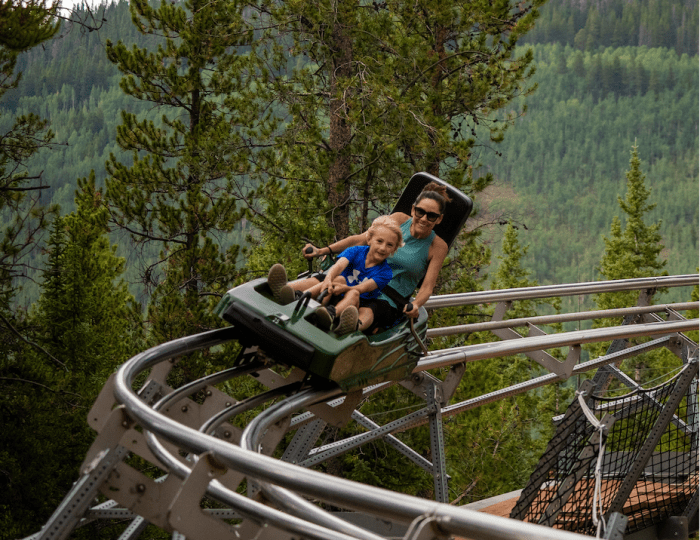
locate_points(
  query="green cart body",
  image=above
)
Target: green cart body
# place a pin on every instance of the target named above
(287, 333)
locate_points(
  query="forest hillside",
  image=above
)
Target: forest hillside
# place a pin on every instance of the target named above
(562, 165)
(608, 75)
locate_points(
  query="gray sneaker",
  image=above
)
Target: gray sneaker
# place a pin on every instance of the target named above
(324, 317)
(276, 279)
(287, 295)
(348, 321)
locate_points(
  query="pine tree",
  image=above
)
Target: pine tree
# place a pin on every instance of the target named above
(632, 252)
(379, 92)
(87, 316)
(24, 25)
(85, 324)
(179, 196)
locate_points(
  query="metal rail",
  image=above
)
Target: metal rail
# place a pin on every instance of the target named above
(554, 291)
(284, 484)
(341, 492)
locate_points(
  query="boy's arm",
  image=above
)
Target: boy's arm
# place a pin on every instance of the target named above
(334, 271)
(366, 286)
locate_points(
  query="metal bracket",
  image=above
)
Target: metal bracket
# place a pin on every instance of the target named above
(185, 514)
(451, 382)
(428, 527)
(83, 492)
(338, 416)
(615, 527)
(437, 445)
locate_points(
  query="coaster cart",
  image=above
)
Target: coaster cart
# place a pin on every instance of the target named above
(288, 335)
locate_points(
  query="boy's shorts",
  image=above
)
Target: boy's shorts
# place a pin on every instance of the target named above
(385, 315)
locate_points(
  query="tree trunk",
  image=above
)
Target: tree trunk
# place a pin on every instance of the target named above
(340, 133)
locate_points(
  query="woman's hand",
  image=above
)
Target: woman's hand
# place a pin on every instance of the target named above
(310, 251)
(412, 312)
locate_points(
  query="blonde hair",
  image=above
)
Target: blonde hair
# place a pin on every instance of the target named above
(388, 223)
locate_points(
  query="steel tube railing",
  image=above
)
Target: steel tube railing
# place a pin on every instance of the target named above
(243, 505)
(552, 291)
(284, 498)
(558, 318)
(341, 492)
(470, 353)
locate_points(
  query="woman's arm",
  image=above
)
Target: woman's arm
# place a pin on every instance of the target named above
(336, 247)
(345, 243)
(436, 255)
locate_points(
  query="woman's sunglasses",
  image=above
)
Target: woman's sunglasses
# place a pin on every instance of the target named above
(432, 216)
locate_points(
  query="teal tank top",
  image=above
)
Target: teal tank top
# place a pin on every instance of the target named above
(409, 263)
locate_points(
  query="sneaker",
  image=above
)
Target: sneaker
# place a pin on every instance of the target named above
(324, 317)
(276, 279)
(288, 295)
(348, 321)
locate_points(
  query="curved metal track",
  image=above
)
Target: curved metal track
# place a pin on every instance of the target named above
(203, 456)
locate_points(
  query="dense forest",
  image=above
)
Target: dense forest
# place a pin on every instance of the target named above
(600, 100)
(562, 164)
(109, 270)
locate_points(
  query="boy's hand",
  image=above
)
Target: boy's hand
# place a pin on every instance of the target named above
(327, 285)
(338, 288)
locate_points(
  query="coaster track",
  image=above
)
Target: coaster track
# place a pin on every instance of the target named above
(203, 455)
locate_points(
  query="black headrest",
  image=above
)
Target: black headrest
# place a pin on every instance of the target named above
(456, 212)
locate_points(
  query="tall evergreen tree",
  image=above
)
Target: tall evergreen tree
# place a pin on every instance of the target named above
(179, 195)
(86, 314)
(632, 252)
(85, 324)
(378, 92)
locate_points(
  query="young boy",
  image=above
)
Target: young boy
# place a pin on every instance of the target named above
(359, 274)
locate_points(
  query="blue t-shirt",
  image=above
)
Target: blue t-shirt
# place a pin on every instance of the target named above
(355, 272)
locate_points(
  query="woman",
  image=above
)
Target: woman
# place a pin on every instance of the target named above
(421, 257)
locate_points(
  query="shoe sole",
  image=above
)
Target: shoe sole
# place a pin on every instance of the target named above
(286, 295)
(323, 318)
(276, 279)
(348, 321)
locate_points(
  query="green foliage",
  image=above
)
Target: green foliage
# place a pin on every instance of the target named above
(370, 94)
(630, 252)
(84, 325)
(86, 313)
(493, 448)
(588, 25)
(179, 191)
(634, 251)
(21, 137)
(560, 168)
(26, 24)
